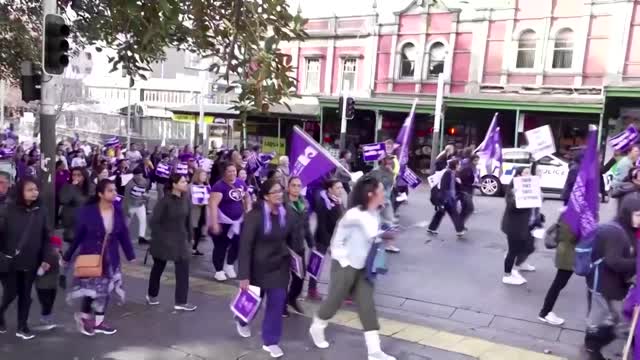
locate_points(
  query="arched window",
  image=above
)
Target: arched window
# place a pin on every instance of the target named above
(526, 50)
(563, 50)
(437, 56)
(408, 55)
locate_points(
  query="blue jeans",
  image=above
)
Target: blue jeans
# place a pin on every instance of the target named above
(272, 322)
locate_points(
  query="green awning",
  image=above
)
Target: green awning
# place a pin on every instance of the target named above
(622, 91)
(424, 106)
(535, 103)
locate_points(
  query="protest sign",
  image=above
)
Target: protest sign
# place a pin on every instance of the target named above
(434, 180)
(541, 142)
(315, 264)
(411, 178)
(527, 192)
(373, 152)
(297, 266)
(246, 304)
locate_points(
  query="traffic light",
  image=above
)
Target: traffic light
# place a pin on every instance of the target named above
(30, 82)
(351, 108)
(55, 47)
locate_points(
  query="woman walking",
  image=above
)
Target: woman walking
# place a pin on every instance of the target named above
(298, 209)
(199, 190)
(517, 225)
(227, 204)
(170, 236)
(447, 201)
(350, 249)
(264, 261)
(136, 197)
(102, 230)
(73, 196)
(328, 209)
(24, 247)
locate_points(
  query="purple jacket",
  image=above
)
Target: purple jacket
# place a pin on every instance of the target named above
(90, 233)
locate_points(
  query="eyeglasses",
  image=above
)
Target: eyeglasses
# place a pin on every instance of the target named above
(275, 192)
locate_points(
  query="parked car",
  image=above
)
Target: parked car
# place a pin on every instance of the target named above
(554, 171)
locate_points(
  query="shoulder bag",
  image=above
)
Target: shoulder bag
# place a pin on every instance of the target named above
(5, 259)
(90, 266)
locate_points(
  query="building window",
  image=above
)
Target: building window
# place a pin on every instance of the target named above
(312, 76)
(563, 50)
(437, 56)
(408, 56)
(192, 61)
(526, 50)
(349, 67)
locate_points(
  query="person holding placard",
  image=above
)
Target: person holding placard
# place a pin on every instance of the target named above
(517, 224)
(264, 261)
(448, 199)
(297, 206)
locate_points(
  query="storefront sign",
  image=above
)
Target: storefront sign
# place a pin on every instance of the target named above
(208, 119)
(541, 142)
(373, 152)
(411, 178)
(527, 192)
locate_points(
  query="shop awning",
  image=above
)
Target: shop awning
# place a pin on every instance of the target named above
(300, 108)
(400, 104)
(623, 91)
(546, 103)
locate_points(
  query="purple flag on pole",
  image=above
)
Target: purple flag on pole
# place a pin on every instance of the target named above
(625, 139)
(582, 209)
(309, 160)
(403, 141)
(490, 149)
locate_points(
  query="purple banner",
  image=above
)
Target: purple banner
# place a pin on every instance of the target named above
(315, 264)
(582, 209)
(411, 178)
(309, 160)
(490, 150)
(373, 152)
(297, 266)
(403, 141)
(245, 305)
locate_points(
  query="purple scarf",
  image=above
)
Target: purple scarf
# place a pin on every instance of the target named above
(266, 211)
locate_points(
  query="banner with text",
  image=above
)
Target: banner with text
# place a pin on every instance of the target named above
(373, 152)
(541, 142)
(527, 192)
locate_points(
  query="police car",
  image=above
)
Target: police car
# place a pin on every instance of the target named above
(553, 172)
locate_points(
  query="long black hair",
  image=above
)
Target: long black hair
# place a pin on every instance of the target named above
(359, 196)
(266, 187)
(101, 187)
(20, 190)
(84, 187)
(173, 179)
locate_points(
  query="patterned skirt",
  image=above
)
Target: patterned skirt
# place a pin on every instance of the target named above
(99, 289)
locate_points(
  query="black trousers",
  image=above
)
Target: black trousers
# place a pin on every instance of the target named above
(197, 231)
(46, 297)
(559, 282)
(466, 202)
(17, 284)
(519, 250)
(222, 243)
(448, 208)
(182, 279)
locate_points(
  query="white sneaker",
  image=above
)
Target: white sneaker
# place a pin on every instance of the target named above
(513, 279)
(317, 333)
(230, 271)
(380, 355)
(274, 350)
(392, 249)
(220, 276)
(516, 273)
(552, 319)
(243, 331)
(152, 300)
(526, 267)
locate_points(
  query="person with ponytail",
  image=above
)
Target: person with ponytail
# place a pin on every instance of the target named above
(264, 261)
(98, 222)
(170, 238)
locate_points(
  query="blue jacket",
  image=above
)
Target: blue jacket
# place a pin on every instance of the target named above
(90, 234)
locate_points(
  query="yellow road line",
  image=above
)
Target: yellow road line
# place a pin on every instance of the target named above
(474, 347)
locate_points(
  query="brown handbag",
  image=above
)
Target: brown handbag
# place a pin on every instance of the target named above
(90, 266)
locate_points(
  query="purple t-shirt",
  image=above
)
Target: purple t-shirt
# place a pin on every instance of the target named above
(231, 204)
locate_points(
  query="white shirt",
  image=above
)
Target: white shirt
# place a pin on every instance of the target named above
(78, 162)
(354, 236)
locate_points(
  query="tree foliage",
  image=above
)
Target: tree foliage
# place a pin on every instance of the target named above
(241, 37)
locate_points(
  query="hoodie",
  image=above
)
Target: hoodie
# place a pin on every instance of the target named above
(136, 191)
(616, 246)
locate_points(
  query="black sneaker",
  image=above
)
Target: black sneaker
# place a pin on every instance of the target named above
(142, 241)
(25, 333)
(432, 232)
(295, 306)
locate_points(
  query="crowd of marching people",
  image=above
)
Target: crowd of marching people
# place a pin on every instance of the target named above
(257, 217)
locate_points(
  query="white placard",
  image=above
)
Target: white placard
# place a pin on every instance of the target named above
(434, 180)
(526, 190)
(541, 142)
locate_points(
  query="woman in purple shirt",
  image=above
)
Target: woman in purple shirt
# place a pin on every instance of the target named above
(228, 202)
(98, 222)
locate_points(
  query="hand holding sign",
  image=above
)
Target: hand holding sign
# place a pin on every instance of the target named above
(527, 192)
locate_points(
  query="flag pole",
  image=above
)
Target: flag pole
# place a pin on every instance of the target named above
(634, 323)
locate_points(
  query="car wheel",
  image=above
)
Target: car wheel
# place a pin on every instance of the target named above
(490, 186)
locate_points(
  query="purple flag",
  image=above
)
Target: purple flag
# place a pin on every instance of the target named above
(490, 149)
(625, 139)
(256, 162)
(582, 209)
(403, 141)
(309, 160)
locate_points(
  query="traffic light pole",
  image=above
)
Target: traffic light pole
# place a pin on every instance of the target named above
(437, 121)
(48, 132)
(343, 123)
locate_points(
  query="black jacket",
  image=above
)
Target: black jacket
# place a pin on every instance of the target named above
(171, 228)
(616, 246)
(301, 231)
(467, 178)
(327, 220)
(571, 180)
(29, 223)
(515, 222)
(71, 199)
(264, 259)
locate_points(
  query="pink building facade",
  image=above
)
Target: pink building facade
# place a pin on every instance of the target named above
(567, 63)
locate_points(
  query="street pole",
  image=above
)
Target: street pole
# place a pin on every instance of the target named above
(437, 120)
(129, 116)
(48, 130)
(343, 123)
